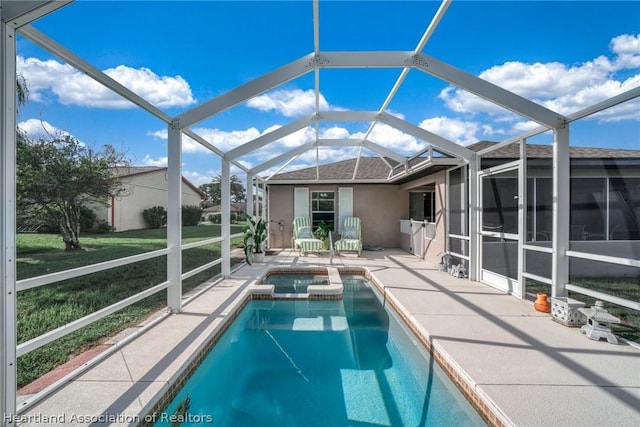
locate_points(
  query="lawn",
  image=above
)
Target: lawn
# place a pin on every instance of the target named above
(624, 287)
(47, 307)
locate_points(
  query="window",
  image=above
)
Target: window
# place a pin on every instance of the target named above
(588, 208)
(422, 206)
(323, 208)
(624, 208)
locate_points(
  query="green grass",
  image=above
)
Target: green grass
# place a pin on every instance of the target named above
(47, 307)
(624, 287)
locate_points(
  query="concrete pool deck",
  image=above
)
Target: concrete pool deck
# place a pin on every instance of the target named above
(530, 370)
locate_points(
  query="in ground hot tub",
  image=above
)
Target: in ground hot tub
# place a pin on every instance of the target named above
(301, 283)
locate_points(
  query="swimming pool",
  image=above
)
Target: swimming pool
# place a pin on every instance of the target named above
(319, 363)
(295, 283)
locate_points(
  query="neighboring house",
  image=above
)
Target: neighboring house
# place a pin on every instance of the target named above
(235, 208)
(146, 187)
(605, 204)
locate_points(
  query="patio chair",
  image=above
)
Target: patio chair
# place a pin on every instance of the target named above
(351, 237)
(303, 238)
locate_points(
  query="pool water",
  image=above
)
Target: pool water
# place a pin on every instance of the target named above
(288, 283)
(320, 363)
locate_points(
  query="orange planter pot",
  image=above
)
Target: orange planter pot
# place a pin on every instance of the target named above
(542, 304)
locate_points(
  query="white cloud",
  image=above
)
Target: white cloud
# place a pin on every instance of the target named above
(459, 131)
(40, 129)
(159, 134)
(627, 49)
(560, 87)
(160, 161)
(72, 87)
(334, 132)
(289, 103)
(223, 140)
(197, 178)
(393, 139)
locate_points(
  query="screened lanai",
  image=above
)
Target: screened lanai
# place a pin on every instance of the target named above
(532, 198)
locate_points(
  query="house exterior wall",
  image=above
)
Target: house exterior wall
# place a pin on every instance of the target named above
(144, 191)
(379, 206)
(434, 247)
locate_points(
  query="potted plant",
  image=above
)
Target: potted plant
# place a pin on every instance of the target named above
(254, 239)
(322, 233)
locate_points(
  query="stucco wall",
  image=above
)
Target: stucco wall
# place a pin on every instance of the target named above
(145, 191)
(380, 208)
(434, 247)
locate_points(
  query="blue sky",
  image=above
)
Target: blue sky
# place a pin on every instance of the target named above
(177, 55)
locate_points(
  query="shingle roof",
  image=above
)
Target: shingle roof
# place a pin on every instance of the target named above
(376, 168)
(368, 168)
(546, 151)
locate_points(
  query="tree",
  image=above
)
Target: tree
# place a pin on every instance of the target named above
(60, 175)
(214, 190)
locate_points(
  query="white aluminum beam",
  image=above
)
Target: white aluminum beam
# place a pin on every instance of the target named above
(200, 140)
(342, 142)
(607, 103)
(475, 205)
(441, 143)
(560, 212)
(287, 163)
(72, 59)
(250, 193)
(283, 157)
(316, 27)
(421, 152)
(247, 91)
(334, 181)
(347, 116)
(174, 219)
(46, 279)
(382, 151)
(268, 138)
(70, 327)
(421, 44)
(634, 305)
(520, 287)
(368, 59)
(448, 73)
(19, 13)
(225, 226)
(8, 337)
(489, 91)
(603, 105)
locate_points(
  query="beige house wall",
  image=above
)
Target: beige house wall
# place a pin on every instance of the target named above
(379, 206)
(143, 191)
(434, 247)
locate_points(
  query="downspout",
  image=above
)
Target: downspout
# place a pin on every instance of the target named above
(113, 211)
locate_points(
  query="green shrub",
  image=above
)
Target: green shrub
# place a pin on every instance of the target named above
(103, 227)
(191, 215)
(214, 218)
(87, 219)
(155, 217)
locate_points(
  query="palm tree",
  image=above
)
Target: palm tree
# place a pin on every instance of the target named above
(22, 91)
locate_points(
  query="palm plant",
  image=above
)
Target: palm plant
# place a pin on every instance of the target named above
(254, 237)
